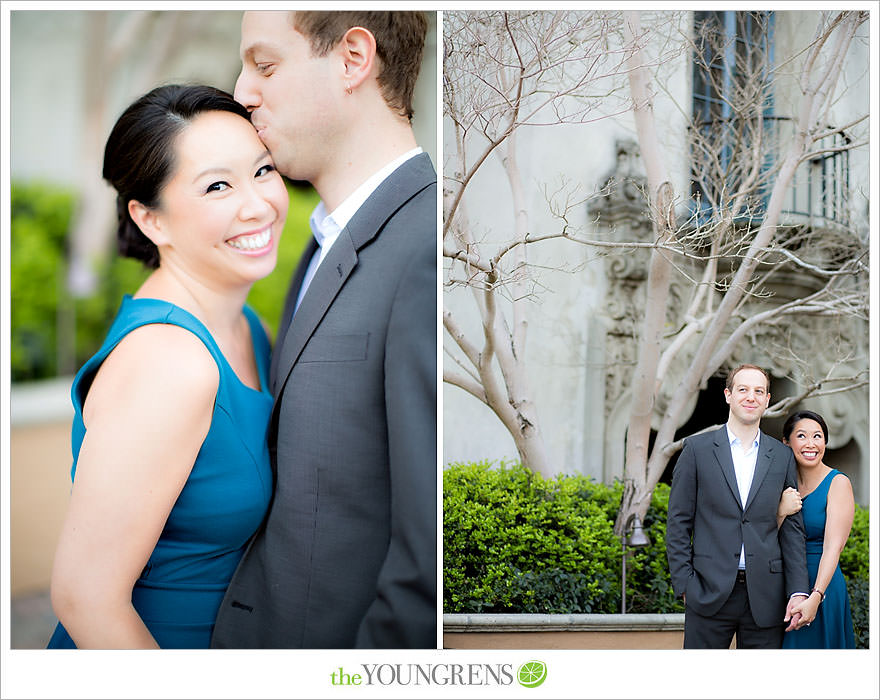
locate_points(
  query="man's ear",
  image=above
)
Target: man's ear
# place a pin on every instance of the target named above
(148, 221)
(358, 49)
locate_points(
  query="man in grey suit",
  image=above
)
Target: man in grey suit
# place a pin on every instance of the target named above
(729, 561)
(347, 554)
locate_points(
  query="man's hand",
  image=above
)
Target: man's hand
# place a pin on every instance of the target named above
(791, 614)
(807, 610)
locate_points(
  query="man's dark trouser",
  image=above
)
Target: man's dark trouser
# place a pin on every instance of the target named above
(735, 617)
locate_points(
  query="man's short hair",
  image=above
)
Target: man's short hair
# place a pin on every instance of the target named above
(400, 41)
(733, 372)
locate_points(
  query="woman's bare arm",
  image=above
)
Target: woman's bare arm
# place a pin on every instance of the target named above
(147, 413)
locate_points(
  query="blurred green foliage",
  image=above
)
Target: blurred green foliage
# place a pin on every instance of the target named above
(39, 220)
(53, 333)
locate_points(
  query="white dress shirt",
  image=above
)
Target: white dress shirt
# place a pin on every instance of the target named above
(744, 460)
(327, 227)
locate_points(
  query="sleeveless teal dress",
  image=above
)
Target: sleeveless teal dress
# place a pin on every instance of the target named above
(832, 628)
(222, 502)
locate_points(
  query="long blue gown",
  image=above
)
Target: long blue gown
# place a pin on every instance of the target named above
(222, 502)
(832, 628)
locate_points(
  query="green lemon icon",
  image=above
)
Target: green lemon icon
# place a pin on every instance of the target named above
(531, 674)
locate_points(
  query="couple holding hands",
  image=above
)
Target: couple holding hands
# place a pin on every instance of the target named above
(228, 494)
(755, 529)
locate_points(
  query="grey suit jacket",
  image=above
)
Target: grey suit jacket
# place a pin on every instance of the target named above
(347, 554)
(707, 524)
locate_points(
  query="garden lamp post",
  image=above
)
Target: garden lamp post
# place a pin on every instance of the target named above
(638, 538)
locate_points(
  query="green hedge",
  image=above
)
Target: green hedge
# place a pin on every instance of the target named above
(854, 565)
(514, 542)
(51, 333)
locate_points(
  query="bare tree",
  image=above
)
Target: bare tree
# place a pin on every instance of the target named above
(504, 72)
(720, 258)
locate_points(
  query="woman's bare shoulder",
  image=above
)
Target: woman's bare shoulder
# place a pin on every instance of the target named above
(156, 362)
(840, 482)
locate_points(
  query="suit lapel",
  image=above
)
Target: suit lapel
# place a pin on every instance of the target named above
(289, 305)
(328, 280)
(762, 466)
(725, 461)
(396, 190)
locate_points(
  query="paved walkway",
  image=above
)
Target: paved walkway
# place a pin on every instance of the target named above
(31, 621)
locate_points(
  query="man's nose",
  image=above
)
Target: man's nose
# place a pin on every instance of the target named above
(244, 92)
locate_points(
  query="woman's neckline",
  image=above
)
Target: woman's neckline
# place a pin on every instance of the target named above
(821, 481)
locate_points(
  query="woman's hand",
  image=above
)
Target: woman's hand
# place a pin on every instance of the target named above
(808, 609)
(789, 504)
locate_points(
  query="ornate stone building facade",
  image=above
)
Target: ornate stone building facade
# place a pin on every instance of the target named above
(793, 351)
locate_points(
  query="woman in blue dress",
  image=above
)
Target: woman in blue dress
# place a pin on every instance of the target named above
(171, 473)
(825, 498)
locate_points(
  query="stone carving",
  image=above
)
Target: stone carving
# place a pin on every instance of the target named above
(622, 215)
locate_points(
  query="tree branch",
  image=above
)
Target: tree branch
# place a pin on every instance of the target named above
(472, 387)
(455, 332)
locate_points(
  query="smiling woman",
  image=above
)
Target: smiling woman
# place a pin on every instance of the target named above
(171, 474)
(827, 509)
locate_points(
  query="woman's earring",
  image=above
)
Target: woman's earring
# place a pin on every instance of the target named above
(348, 88)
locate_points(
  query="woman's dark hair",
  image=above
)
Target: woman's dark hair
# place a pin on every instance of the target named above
(139, 155)
(800, 415)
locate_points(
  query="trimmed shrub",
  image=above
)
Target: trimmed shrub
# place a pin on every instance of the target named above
(854, 557)
(859, 594)
(516, 542)
(854, 565)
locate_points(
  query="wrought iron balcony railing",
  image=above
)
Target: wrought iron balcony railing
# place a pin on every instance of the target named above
(819, 195)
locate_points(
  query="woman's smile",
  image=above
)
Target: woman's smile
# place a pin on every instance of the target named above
(255, 243)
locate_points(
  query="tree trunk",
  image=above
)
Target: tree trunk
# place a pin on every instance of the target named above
(659, 276)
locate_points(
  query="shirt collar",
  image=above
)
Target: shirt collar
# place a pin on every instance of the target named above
(326, 226)
(731, 438)
(323, 225)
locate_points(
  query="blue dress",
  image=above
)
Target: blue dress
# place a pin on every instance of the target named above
(222, 502)
(832, 628)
